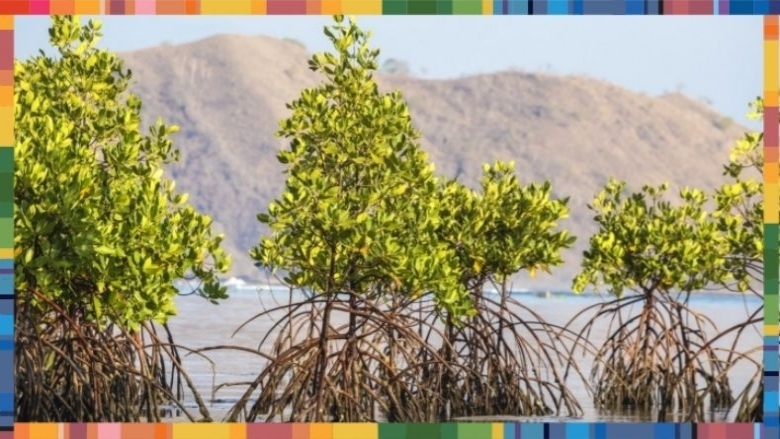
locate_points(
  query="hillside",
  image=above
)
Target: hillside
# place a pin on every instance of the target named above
(227, 93)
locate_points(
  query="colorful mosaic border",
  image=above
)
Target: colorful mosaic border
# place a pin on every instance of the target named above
(389, 431)
(6, 223)
(386, 7)
(770, 429)
(771, 220)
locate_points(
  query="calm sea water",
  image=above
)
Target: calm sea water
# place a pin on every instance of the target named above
(200, 324)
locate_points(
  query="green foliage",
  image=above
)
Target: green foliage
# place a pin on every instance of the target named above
(359, 211)
(363, 214)
(739, 208)
(647, 244)
(491, 367)
(658, 357)
(740, 215)
(505, 228)
(97, 225)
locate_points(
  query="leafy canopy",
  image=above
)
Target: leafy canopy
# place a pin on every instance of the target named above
(740, 209)
(97, 225)
(360, 207)
(646, 244)
(505, 228)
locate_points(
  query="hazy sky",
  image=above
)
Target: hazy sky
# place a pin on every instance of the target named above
(713, 58)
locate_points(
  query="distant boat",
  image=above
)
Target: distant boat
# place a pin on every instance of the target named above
(239, 284)
(234, 282)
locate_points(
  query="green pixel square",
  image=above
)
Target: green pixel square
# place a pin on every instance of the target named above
(444, 7)
(6, 159)
(771, 235)
(394, 7)
(770, 302)
(423, 7)
(467, 7)
(449, 430)
(6, 210)
(7, 232)
(392, 431)
(6, 187)
(475, 430)
(422, 431)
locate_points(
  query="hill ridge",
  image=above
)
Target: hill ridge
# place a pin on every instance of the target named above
(228, 92)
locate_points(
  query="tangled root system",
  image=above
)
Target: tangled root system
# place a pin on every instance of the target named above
(71, 370)
(748, 405)
(335, 358)
(658, 360)
(503, 361)
(350, 358)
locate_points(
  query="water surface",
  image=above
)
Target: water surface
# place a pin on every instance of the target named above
(200, 324)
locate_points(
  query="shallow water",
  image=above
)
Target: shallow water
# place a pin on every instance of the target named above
(200, 324)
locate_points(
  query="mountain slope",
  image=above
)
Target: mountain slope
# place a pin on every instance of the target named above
(227, 93)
